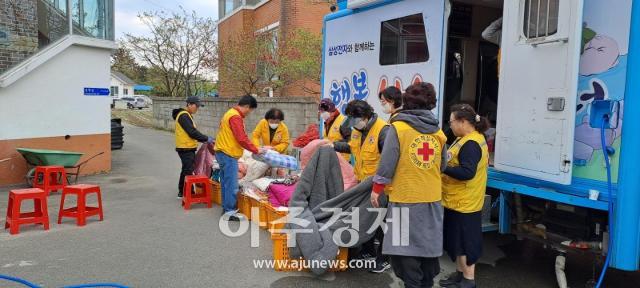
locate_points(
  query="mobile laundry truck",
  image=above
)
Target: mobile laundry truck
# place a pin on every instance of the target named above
(556, 88)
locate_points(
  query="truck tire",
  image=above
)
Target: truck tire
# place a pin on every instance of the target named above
(117, 134)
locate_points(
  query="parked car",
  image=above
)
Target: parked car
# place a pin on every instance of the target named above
(146, 98)
(134, 102)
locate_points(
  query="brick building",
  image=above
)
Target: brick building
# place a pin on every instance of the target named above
(51, 51)
(268, 16)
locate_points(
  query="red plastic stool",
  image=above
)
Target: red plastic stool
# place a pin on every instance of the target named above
(15, 218)
(53, 178)
(188, 198)
(81, 211)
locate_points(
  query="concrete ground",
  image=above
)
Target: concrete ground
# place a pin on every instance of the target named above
(148, 240)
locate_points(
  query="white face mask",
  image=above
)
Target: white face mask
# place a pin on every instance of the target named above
(360, 125)
(325, 115)
(273, 126)
(387, 108)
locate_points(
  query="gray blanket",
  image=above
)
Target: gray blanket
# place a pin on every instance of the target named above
(320, 186)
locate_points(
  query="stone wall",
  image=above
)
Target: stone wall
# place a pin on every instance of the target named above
(299, 112)
(18, 31)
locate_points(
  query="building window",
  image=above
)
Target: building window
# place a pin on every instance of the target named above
(403, 40)
(265, 64)
(114, 90)
(540, 18)
(125, 91)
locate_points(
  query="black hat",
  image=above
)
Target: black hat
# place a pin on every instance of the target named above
(194, 100)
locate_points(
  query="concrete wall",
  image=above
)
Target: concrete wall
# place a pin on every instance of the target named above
(44, 106)
(299, 112)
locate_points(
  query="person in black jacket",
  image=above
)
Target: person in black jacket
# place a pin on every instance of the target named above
(187, 138)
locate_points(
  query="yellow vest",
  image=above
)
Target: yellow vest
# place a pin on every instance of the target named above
(366, 154)
(466, 196)
(280, 140)
(334, 133)
(226, 142)
(417, 178)
(183, 140)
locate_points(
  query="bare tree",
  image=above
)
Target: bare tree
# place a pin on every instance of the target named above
(178, 46)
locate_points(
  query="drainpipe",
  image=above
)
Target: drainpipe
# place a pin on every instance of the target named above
(626, 235)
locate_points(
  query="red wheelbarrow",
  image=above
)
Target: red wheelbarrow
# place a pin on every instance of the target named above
(43, 157)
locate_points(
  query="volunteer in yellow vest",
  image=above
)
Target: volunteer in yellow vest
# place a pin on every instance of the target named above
(271, 132)
(391, 101)
(187, 138)
(336, 127)
(367, 139)
(411, 161)
(463, 186)
(230, 144)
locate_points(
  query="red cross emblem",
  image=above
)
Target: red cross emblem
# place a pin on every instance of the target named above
(426, 152)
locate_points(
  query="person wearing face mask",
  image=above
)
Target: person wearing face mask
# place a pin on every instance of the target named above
(391, 101)
(230, 144)
(272, 132)
(367, 139)
(335, 126)
(464, 183)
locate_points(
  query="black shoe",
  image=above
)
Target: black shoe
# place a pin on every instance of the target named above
(466, 283)
(381, 266)
(233, 216)
(451, 280)
(179, 195)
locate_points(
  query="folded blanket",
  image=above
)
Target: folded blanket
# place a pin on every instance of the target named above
(275, 159)
(320, 186)
(255, 170)
(279, 194)
(263, 183)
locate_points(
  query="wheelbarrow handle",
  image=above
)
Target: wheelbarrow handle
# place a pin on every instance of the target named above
(85, 161)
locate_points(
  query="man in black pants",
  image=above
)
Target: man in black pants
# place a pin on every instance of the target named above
(187, 138)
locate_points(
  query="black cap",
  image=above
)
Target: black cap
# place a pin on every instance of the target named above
(194, 100)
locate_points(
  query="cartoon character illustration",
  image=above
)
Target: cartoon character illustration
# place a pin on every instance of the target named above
(600, 54)
(397, 82)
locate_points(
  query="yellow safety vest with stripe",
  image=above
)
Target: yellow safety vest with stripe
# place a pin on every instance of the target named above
(334, 133)
(280, 141)
(226, 142)
(183, 140)
(466, 196)
(365, 151)
(418, 177)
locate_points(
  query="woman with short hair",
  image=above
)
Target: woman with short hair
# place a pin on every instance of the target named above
(463, 187)
(411, 163)
(272, 132)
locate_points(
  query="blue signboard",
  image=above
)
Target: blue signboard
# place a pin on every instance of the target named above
(96, 91)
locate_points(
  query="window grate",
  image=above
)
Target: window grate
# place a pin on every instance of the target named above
(540, 18)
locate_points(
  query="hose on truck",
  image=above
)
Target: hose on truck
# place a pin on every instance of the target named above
(605, 151)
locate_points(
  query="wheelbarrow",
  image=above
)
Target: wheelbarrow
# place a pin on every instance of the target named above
(42, 157)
